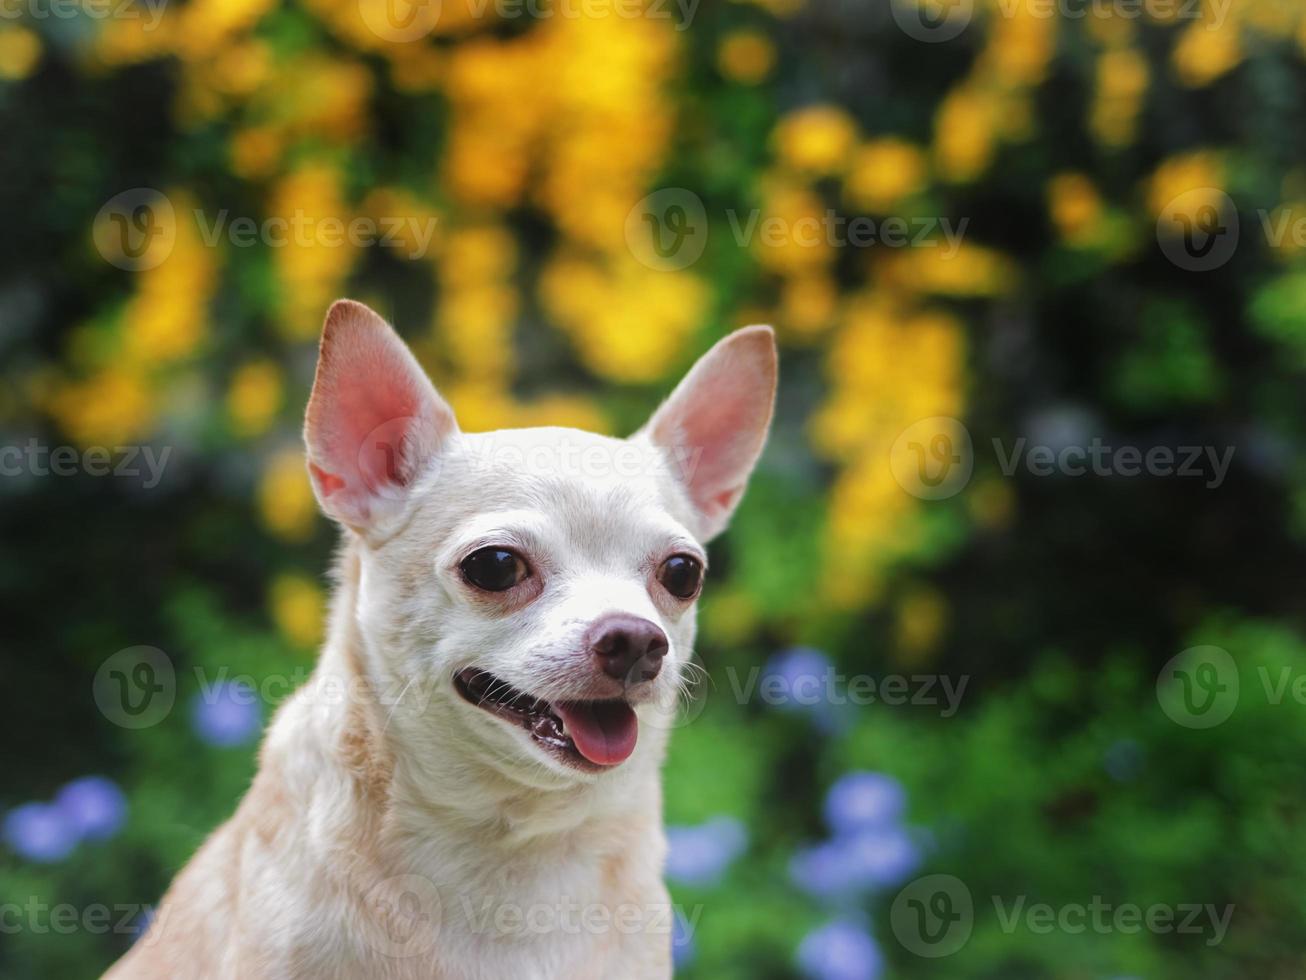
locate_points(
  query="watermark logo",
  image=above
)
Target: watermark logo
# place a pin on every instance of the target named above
(136, 687)
(400, 21)
(124, 462)
(932, 21)
(1199, 230)
(136, 230)
(933, 459)
(667, 229)
(933, 916)
(402, 916)
(1199, 687)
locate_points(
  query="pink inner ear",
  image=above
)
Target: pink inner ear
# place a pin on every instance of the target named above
(374, 419)
(715, 422)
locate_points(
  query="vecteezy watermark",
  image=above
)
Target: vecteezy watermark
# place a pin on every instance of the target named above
(832, 687)
(572, 917)
(63, 918)
(1200, 229)
(151, 10)
(669, 229)
(402, 21)
(137, 230)
(137, 688)
(33, 458)
(934, 458)
(937, 21)
(934, 916)
(1202, 686)
(403, 915)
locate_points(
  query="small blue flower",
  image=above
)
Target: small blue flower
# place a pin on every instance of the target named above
(94, 805)
(856, 863)
(864, 800)
(701, 854)
(226, 714)
(40, 832)
(797, 679)
(682, 942)
(840, 951)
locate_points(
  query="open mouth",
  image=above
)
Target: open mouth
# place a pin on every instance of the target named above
(586, 734)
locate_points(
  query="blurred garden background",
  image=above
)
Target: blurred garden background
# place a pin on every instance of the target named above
(1087, 225)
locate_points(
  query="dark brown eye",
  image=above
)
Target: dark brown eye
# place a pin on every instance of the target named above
(493, 569)
(681, 575)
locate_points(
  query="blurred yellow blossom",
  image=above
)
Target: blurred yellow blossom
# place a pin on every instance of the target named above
(964, 128)
(922, 616)
(1122, 80)
(256, 151)
(1075, 207)
(298, 608)
(254, 397)
(884, 172)
(791, 232)
(1201, 171)
(20, 50)
(745, 56)
(628, 322)
(311, 260)
(972, 270)
(1205, 52)
(108, 408)
(817, 139)
(807, 305)
(285, 499)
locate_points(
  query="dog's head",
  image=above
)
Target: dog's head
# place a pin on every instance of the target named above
(541, 583)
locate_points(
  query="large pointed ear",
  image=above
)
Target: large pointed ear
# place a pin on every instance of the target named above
(374, 423)
(714, 425)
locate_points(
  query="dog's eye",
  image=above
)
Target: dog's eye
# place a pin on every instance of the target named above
(681, 575)
(493, 569)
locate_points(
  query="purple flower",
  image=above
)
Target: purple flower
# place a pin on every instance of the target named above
(40, 832)
(94, 806)
(797, 680)
(682, 941)
(864, 800)
(840, 951)
(856, 863)
(226, 714)
(700, 855)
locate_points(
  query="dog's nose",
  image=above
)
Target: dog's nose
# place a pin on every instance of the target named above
(628, 648)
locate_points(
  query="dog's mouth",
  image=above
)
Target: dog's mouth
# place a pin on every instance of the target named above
(586, 734)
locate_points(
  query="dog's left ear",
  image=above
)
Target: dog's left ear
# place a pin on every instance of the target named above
(714, 425)
(374, 423)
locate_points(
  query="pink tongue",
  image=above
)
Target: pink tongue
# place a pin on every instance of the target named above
(604, 731)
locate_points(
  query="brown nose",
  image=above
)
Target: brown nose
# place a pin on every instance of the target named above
(628, 648)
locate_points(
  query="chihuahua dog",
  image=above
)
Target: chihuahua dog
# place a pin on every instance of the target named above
(468, 787)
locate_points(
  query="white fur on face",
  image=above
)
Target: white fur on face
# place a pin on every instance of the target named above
(594, 518)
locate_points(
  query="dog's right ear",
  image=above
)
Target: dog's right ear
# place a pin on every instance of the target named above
(374, 423)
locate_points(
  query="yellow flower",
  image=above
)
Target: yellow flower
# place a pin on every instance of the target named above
(817, 139)
(922, 616)
(1205, 52)
(745, 56)
(20, 50)
(310, 263)
(108, 408)
(255, 152)
(791, 234)
(884, 172)
(285, 499)
(254, 397)
(298, 608)
(1197, 178)
(1076, 207)
(807, 305)
(964, 129)
(1122, 80)
(972, 270)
